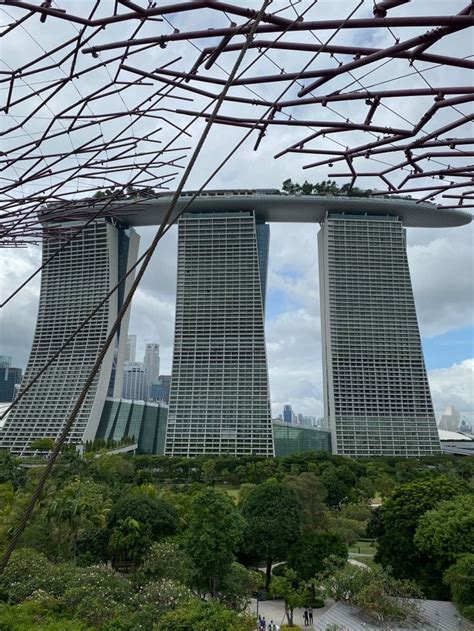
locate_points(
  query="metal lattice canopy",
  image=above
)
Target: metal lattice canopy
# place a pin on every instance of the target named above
(100, 96)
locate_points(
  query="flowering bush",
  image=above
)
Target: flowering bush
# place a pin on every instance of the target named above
(164, 560)
(29, 571)
(97, 594)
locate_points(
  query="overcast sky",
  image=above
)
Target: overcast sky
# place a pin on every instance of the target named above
(441, 260)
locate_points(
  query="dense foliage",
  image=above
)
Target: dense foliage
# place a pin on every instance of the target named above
(122, 543)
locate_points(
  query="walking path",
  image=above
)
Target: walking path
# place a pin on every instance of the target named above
(275, 610)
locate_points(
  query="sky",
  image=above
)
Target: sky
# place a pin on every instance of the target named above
(441, 263)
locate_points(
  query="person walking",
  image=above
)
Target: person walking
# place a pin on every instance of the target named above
(310, 615)
(305, 617)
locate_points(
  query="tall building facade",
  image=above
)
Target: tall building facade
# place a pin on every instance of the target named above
(5, 361)
(219, 398)
(10, 378)
(136, 385)
(376, 391)
(287, 413)
(160, 390)
(131, 348)
(152, 362)
(72, 285)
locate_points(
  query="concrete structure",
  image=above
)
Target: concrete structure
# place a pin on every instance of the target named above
(131, 350)
(10, 378)
(136, 385)
(219, 398)
(450, 419)
(151, 362)
(376, 392)
(72, 284)
(456, 443)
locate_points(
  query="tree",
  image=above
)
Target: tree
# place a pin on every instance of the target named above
(460, 578)
(339, 483)
(97, 595)
(447, 531)
(209, 471)
(213, 536)
(273, 515)
(128, 541)
(42, 444)
(10, 470)
(308, 554)
(312, 495)
(158, 518)
(375, 592)
(79, 506)
(287, 588)
(395, 524)
(164, 560)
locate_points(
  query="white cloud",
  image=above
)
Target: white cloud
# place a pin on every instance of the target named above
(454, 386)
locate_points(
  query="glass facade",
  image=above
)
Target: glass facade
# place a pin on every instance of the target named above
(9, 378)
(293, 439)
(145, 422)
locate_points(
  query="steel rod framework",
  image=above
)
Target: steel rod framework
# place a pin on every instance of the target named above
(86, 111)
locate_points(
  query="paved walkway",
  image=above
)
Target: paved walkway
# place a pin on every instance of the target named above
(275, 610)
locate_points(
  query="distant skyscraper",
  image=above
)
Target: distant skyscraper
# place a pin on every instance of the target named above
(219, 399)
(160, 391)
(9, 378)
(131, 350)
(72, 285)
(136, 385)
(287, 413)
(5, 361)
(152, 362)
(450, 419)
(377, 397)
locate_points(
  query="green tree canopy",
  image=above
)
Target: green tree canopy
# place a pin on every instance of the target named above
(375, 592)
(10, 470)
(460, 578)
(212, 539)
(157, 517)
(308, 554)
(312, 495)
(395, 524)
(274, 514)
(447, 531)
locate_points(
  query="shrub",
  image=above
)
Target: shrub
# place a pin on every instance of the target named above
(460, 578)
(164, 560)
(98, 594)
(468, 612)
(38, 616)
(155, 600)
(29, 571)
(279, 570)
(205, 616)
